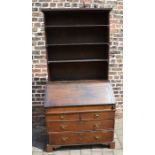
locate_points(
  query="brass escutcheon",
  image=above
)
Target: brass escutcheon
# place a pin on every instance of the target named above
(63, 126)
(64, 138)
(97, 115)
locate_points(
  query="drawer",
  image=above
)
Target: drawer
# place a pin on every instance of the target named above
(61, 117)
(97, 115)
(80, 138)
(54, 126)
(79, 109)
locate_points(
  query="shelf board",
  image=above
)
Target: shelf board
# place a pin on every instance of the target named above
(74, 26)
(75, 9)
(84, 60)
(78, 44)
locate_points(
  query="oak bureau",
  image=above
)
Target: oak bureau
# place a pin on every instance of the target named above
(79, 103)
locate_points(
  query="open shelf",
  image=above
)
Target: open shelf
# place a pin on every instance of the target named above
(74, 26)
(77, 17)
(77, 35)
(79, 44)
(85, 60)
(75, 52)
(78, 71)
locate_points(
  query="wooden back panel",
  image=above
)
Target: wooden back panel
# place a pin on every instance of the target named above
(76, 16)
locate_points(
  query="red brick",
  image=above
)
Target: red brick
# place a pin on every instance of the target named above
(36, 70)
(40, 66)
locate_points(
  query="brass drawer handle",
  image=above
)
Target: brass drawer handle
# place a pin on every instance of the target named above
(63, 126)
(62, 116)
(64, 138)
(97, 115)
(97, 137)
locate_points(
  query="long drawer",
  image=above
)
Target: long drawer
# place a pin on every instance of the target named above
(79, 108)
(61, 126)
(80, 137)
(96, 115)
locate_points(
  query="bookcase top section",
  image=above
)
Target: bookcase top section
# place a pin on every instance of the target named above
(79, 93)
(77, 41)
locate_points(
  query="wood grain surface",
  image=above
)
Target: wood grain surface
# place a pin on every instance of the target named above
(80, 137)
(79, 93)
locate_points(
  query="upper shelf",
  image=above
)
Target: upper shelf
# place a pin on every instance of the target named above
(73, 26)
(77, 17)
(78, 44)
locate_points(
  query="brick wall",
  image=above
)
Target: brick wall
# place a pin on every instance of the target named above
(39, 61)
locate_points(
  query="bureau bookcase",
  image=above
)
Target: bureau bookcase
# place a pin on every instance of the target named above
(80, 105)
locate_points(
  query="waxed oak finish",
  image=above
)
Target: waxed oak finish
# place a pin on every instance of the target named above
(80, 137)
(76, 93)
(55, 126)
(79, 103)
(95, 124)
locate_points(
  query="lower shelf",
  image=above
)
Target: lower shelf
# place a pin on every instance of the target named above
(78, 71)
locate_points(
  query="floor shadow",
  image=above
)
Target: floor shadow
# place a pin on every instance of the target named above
(80, 147)
(39, 137)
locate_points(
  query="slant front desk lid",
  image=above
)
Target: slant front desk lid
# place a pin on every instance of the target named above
(79, 93)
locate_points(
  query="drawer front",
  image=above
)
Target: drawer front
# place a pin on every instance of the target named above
(62, 117)
(80, 138)
(79, 109)
(79, 125)
(98, 115)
